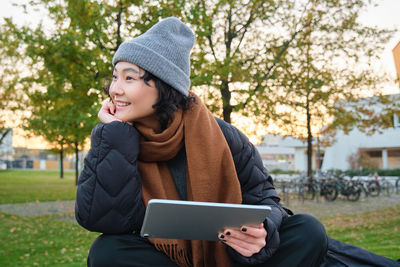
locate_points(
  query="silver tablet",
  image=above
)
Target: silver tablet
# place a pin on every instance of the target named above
(192, 220)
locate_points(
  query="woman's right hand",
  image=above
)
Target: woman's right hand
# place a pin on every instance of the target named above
(107, 112)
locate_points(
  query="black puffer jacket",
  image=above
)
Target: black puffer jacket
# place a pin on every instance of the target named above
(109, 196)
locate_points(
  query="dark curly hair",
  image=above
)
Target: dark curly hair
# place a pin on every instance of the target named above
(169, 100)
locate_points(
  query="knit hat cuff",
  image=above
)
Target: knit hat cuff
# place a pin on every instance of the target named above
(155, 63)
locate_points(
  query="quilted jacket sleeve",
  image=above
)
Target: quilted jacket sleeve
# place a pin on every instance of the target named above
(109, 197)
(257, 189)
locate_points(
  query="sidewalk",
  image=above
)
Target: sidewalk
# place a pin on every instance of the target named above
(318, 209)
(322, 208)
(39, 208)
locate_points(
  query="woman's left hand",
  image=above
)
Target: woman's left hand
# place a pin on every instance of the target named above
(247, 241)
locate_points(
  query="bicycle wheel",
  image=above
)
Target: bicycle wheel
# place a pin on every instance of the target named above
(307, 192)
(386, 188)
(373, 188)
(354, 193)
(330, 192)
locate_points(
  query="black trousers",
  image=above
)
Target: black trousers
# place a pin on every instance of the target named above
(303, 243)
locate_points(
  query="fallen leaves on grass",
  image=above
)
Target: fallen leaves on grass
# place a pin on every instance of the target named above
(42, 240)
(369, 219)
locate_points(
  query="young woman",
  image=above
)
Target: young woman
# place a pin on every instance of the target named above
(158, 140)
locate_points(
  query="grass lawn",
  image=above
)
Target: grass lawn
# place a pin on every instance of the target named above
(18, 186)
(376, 231)
(42, 241)
(49, 240)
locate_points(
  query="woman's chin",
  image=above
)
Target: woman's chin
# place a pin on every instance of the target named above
(121, 118)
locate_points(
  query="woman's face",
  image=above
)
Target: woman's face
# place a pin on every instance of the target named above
(134, 99)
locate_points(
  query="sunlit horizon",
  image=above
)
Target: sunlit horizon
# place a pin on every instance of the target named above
(252, 130)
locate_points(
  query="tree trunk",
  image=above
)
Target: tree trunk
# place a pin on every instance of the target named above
(309, 144)
(76, 163)
(61, 162)
(119, 24)
(226, 101)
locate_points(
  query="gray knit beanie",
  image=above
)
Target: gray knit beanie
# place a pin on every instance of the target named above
(164, 51)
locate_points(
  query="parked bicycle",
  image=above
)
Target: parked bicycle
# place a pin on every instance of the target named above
(346, 187)
(308, 189)
(383, 186)
(386, 187)
(371, 188)
(328, 189)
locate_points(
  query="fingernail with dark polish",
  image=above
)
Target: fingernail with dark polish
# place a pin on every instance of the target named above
(221, 236)
(228, 233)
(244, 229)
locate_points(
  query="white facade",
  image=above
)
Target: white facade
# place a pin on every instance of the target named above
(386, 143)
(278, 152)
(383, 149)
(6, 147)
(300, 157)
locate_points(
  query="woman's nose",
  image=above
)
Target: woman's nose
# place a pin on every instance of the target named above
(117, 89)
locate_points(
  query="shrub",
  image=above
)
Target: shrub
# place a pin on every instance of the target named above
(279, 171)
(367, 172)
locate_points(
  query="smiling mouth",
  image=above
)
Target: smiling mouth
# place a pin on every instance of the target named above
(122, 104)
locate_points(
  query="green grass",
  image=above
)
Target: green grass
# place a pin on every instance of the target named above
(18, 186)
(376, 231)
(49, 240)
(42, 241)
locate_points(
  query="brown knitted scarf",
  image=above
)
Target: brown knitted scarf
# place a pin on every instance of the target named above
(210, 176)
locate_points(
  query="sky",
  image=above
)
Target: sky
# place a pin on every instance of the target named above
(385, 15)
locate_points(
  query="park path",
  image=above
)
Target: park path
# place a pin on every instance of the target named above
(318, 209)
(322, 208)
(39, 208)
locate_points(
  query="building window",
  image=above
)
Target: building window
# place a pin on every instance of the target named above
(374, 154)
(394, 158)
(394, 153)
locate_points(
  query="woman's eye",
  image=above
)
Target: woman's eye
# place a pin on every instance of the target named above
(114, 77)
(129, 78)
